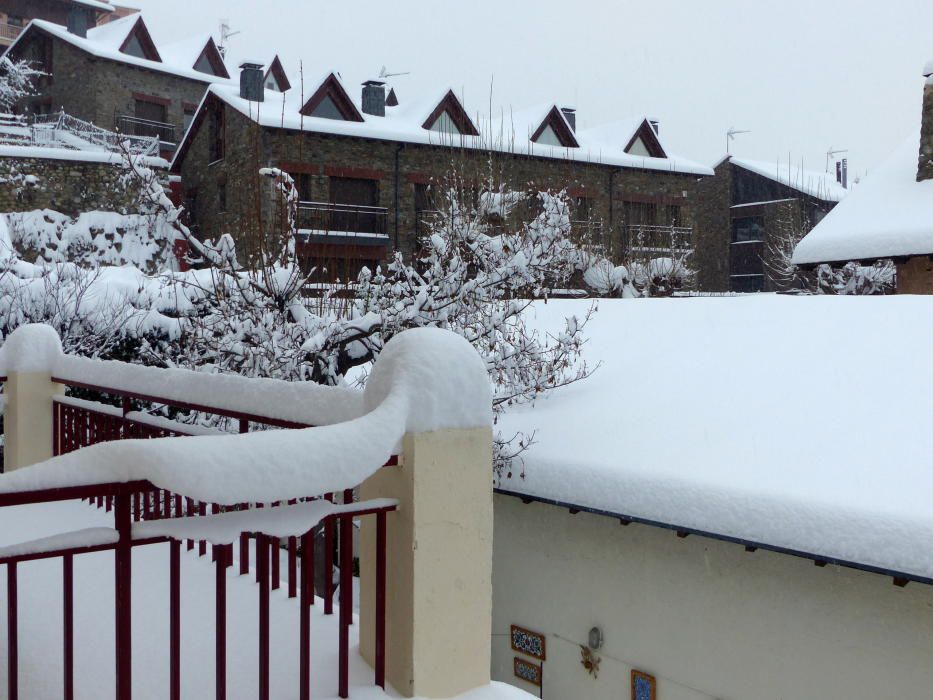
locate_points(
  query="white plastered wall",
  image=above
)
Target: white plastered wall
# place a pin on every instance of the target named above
(707, 618)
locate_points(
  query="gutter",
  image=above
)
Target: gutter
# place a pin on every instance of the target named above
(900, 578)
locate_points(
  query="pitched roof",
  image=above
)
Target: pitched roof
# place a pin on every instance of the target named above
(809, 182)
(450, 106)
(332, 89)
(889, 215)
(106, 41)
(556, 121)
(194, 52)
(406, 123)
(851, 484)
(277, 71)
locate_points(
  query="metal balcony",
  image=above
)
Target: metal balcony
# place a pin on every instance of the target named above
(654, 240)
(9, 33)
(135, 126)
(332, 218)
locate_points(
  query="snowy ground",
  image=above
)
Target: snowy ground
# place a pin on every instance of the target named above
(40, 624)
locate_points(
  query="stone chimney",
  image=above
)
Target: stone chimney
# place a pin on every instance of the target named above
(374, 98)
(925, 165)
(79, 20)
(251, 82)
(570, 114)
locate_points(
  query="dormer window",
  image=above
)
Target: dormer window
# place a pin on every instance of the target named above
(645, 143)
(275, 77)
(330, 101)
(210, 61)
(555, 131)
(449, 117)
(444, 124)
(138, 43)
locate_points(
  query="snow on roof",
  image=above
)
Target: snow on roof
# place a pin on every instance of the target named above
(185, 52)
(928, 69)
(766, 418)
(96, 5)
(87, 156)
(816, 184)
(890, 214)
(105, 42)
(509, 133)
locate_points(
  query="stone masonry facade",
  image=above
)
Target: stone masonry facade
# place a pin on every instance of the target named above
(99, 90)
(925, 165)
(66, 186)
(398, 169)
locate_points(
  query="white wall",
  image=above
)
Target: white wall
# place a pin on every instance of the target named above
(707, 618)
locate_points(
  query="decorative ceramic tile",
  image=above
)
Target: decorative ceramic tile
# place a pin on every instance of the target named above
(644, 686)
(527, 671)
(528, 642)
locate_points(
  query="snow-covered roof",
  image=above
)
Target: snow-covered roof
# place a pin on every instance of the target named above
(105, 42)
(928, 69)
(82, 155)
(507, 133)
(889, 215)
(810, 182)
(96, 5)
(769, 419)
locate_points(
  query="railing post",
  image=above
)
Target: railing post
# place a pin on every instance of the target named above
(29, 425)
(443, 486)
(123, 597)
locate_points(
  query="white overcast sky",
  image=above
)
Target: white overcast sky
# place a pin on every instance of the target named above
(802, 75)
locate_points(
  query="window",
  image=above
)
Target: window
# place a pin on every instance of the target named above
(189, 117)
(581, 209)
(638, 148)
(270, 83)
(327, 109)
(445, 124)
(748, 188)
(303, 185)
(216, 132)
(357, 196)
(134, 47)
(151, 118)
(747, 284)
(640, 213)
(15, 21)
(548, 137)
(748, 229)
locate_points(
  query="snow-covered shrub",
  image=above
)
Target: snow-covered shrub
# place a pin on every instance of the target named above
(853, 278)
(17, 79)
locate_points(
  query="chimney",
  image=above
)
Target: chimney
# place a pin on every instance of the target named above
(925, 164)
(655, 126)
(251, 82)
(79, 20)
(570, 114)
(374, 98)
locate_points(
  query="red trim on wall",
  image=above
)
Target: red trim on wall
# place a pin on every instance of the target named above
(296, 167)
(152, 98)
(648, 198)
(348, 171)
(579, 191)
(418, 178)
(189, 106)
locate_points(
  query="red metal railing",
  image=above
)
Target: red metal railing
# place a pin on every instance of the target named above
(79, 423)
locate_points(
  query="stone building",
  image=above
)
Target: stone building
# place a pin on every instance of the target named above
(889, 216)
(748, 204)
(118, 77)
(16, 14)
(369, 168)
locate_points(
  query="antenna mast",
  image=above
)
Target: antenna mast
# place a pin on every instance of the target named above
(225, 34)
(732, 133)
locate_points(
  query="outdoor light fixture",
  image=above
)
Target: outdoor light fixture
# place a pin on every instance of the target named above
(595, 638)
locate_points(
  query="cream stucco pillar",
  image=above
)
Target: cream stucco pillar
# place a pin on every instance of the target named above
(27, 420)
(439, 564)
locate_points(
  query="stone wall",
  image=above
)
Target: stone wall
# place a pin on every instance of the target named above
(67, 186)
(398, 169)
(713, 230)
(925, 165)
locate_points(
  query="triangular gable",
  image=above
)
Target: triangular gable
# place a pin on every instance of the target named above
(211, 62)
(555, 127)
(450, 116)
(331, 101)
(392, 98)
(275, 78)
(644, 142)
(139, 43)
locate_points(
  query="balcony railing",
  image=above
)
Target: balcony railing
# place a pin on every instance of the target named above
(9, 33)
(653, 240)
(329, 217)
(61, 130)
(127, 124)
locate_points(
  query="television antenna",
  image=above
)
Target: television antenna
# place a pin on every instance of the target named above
(732, 133)
(831, 153)
(384, 73)
(225, 34)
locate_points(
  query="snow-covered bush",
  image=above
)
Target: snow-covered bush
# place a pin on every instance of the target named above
(853, 278)
(17, 79)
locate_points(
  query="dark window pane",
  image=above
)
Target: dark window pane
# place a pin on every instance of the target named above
(745, 259)
(134, 48)
(750, 228)
(748, 283)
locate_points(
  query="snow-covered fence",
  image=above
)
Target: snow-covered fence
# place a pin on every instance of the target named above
(61, 130)
(428, 394)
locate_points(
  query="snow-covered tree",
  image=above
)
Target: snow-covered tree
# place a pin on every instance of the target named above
(17, 79)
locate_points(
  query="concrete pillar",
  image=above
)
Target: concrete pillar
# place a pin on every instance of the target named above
(439, 564)
(27, 419)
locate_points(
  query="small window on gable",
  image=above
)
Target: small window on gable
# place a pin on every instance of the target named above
(270, 83)
(638, 148)
(548, 137)
(203, 65)
(327, 109)
(134, 47)
(445, 124)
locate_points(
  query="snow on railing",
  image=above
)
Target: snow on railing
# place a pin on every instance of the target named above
(258, 487)
(61, 130)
